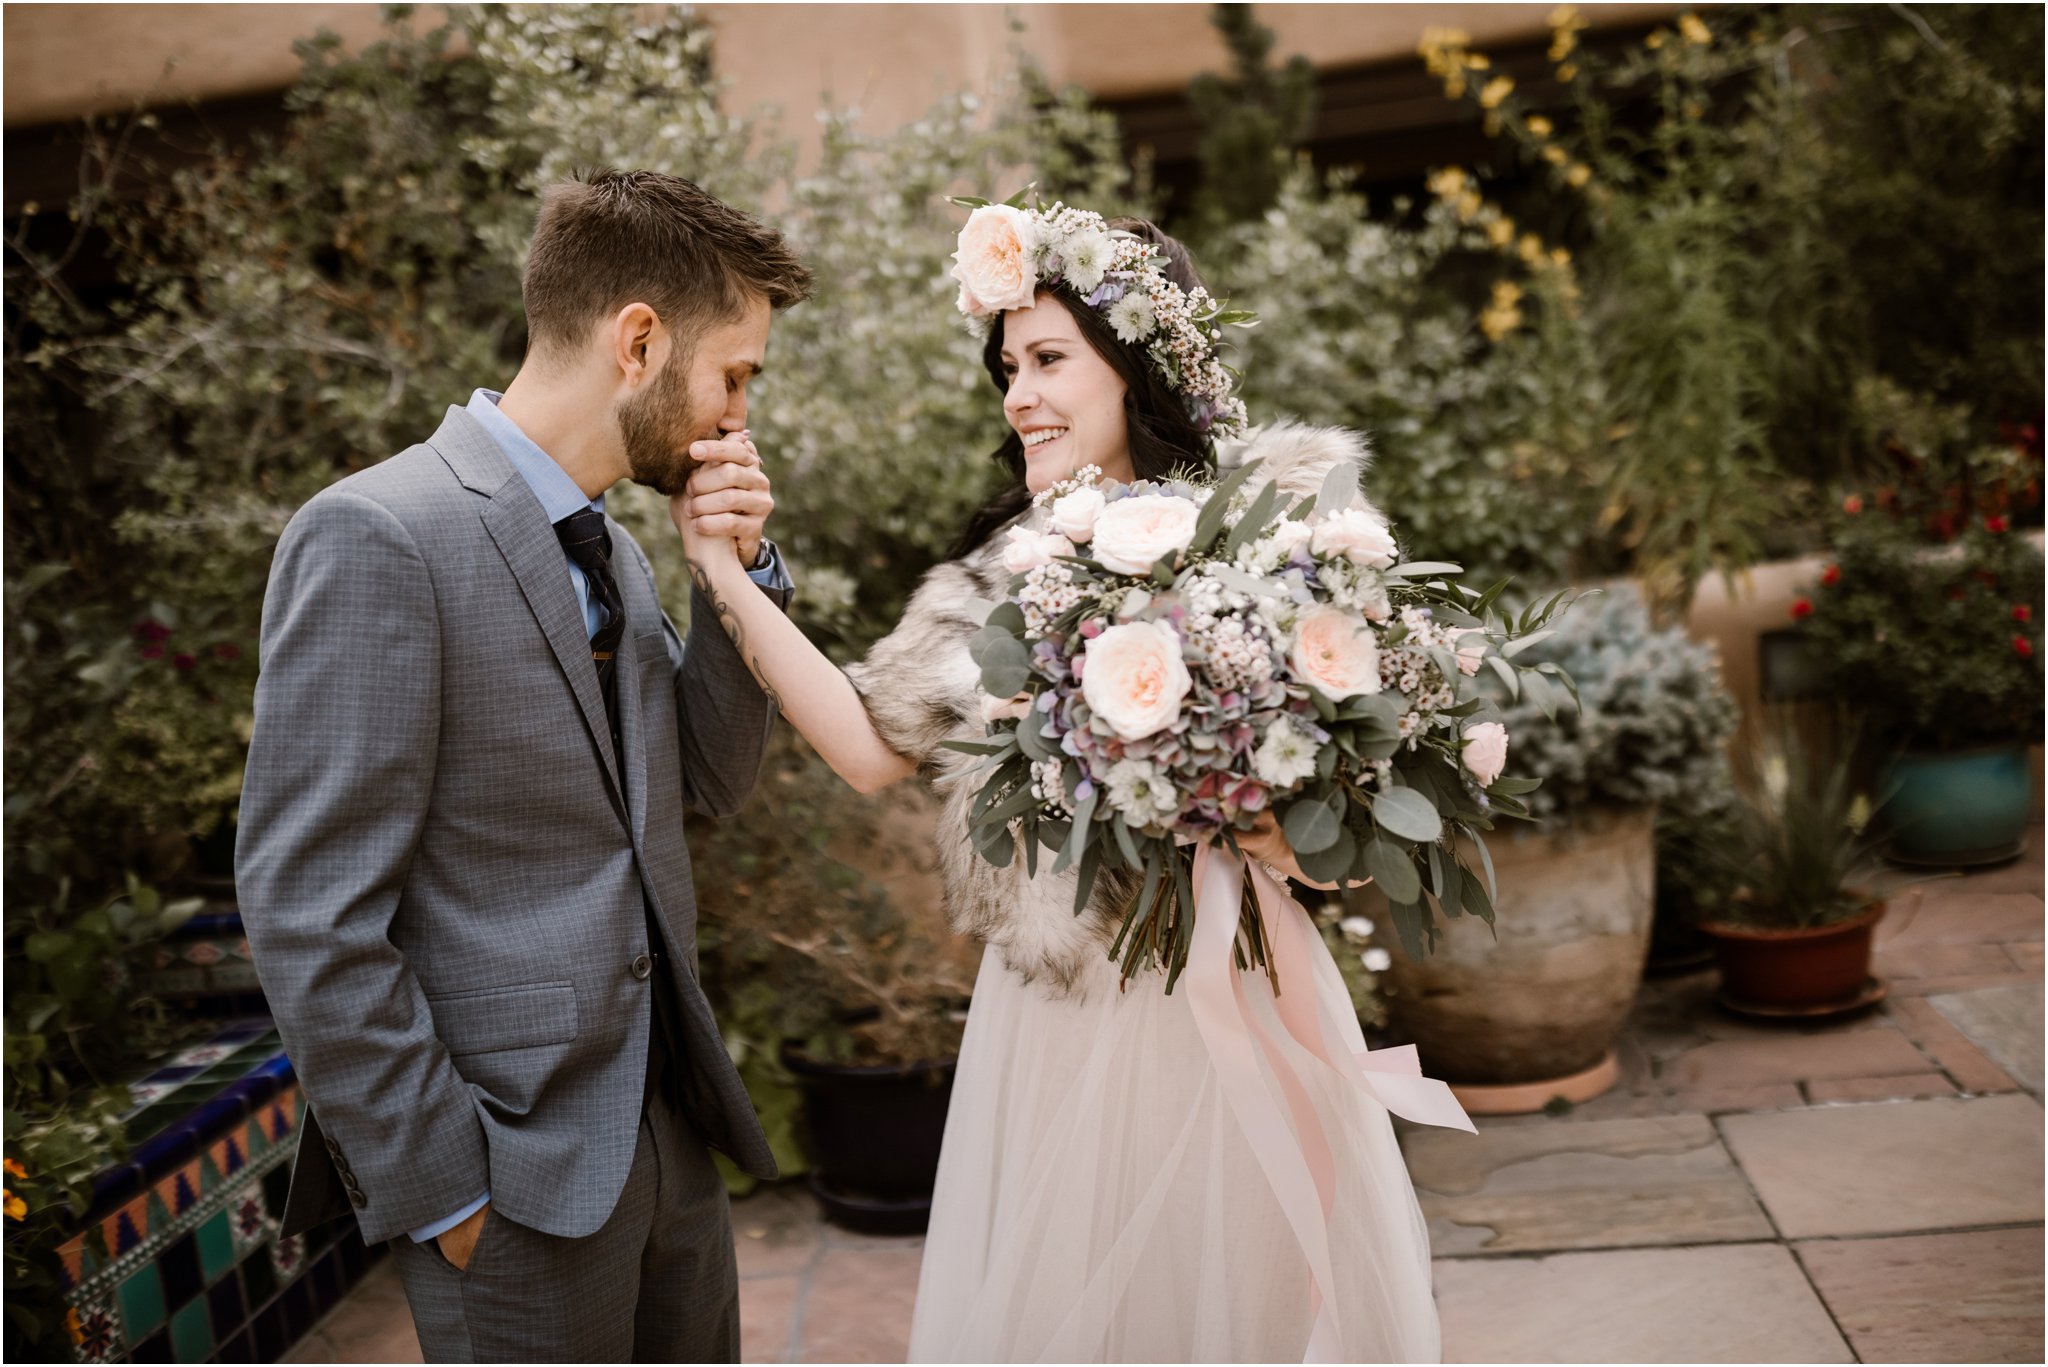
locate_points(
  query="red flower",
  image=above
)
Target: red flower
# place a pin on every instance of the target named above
(1853, 504)
(1831, 576)
(152, 652)
(1957, 593)
(2026, 649)
(1801, 608)
(1995, 524)
(2022, 613)
(149, 631)
(227, 652)
(183, 663)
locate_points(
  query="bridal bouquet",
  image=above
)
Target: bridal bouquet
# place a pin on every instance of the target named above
(1175, 659)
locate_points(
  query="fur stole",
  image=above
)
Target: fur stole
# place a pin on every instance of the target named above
(921, 688)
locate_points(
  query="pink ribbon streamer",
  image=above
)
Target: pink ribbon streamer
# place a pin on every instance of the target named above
(1287, 1139)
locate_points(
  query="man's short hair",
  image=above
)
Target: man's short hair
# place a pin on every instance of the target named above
(609, 238)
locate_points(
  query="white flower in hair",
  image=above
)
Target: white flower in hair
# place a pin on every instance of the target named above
(1086, 255)
(1132, 318)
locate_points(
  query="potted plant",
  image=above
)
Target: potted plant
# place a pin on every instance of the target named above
(1928, 621)
(843, 1014)
(1529, 1011)
(1794, 938)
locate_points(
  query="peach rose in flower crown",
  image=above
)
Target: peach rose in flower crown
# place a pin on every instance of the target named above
(1486, 751)
(1335, 653)
(1133, 533)
(995, 263)
(1135, 679)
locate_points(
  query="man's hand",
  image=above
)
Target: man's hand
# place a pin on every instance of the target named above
(459, 1244)
(727, 499)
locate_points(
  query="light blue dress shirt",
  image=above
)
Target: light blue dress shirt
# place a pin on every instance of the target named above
(559, 498)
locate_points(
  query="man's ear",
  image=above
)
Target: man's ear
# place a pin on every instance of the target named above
(635, 335)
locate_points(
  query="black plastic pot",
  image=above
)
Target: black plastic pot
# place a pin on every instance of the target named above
(875, 1132)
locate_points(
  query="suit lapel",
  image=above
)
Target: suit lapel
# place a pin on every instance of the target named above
(519, 526)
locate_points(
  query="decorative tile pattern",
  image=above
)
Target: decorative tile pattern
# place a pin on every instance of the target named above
(180, 1259)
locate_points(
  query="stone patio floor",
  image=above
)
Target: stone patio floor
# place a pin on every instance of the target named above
(1868, 1190)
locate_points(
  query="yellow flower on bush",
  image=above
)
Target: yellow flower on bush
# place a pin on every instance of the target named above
(1556, 156)
(1537, 125)
(1655, 40)
(1448, 183)
(1495, 91)
(1501, 231)
(17, 1209)
(14, 1169)
(1578, 175)
(1568, 73)
(1696, 33)
(1501, 316)
(1560, 258)
(1530, 248)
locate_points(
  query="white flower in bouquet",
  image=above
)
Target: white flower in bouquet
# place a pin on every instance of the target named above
(1486, 751)
(1376, 960)
(1357, 927)
(1356, 535)
(1141, 792)
(1026, 550)
(995, 263)
(1335, 653)
(1132, 533)
(1074, 515)
(1134, 680)
(1286, 756)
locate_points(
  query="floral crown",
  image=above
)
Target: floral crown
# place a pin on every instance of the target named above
(1007, 253)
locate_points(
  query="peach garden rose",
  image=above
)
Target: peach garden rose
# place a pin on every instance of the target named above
(994, 263)
(1132, 533)
(1334, 651)
(1135, 680)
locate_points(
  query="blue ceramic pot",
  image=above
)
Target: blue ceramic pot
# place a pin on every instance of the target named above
(1959, 808)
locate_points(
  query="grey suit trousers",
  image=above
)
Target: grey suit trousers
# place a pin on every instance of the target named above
(656, 1283)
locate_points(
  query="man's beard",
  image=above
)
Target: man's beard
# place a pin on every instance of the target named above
(655, 427)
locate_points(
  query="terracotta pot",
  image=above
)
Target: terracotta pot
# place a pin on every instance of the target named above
(1802, 967)
(1544, 992)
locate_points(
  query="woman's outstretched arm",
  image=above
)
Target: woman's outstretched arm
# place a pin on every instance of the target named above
(809, 689)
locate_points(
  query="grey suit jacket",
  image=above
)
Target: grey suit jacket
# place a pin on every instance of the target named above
(444, 868)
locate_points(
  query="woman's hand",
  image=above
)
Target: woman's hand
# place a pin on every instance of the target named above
(1266, 843)
(726, 500)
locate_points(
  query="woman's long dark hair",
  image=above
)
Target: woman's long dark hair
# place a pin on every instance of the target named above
(1162, 437)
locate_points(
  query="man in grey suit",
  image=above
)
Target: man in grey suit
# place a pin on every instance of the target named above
(461, 859)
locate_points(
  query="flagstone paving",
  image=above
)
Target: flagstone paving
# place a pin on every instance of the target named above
(1867, 1189)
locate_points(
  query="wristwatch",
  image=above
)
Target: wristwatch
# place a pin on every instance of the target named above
(765, 557)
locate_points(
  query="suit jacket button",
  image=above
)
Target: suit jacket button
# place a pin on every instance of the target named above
(357, 1199)
(642, 966)
(333, 1148)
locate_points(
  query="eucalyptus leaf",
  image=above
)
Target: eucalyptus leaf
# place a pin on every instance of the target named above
(1407, 813)
(1311, 825)
(1393, 870)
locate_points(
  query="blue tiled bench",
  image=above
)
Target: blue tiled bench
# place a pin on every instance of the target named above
(195, 1268)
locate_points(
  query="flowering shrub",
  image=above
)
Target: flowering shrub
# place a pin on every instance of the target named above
(1937, 646)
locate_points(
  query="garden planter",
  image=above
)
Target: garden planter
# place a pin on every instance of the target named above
(1954, 809)
(1814, 970)
(1541, 996)
(874, 1139)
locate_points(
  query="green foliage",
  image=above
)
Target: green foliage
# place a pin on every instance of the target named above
(1749, 187)
(1801, 846)
(1482, 452)
(1653, 718)
(1252, 121)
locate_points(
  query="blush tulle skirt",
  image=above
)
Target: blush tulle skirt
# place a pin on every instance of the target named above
(1098, 1202)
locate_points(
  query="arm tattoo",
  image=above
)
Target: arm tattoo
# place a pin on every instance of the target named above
(734, 631)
